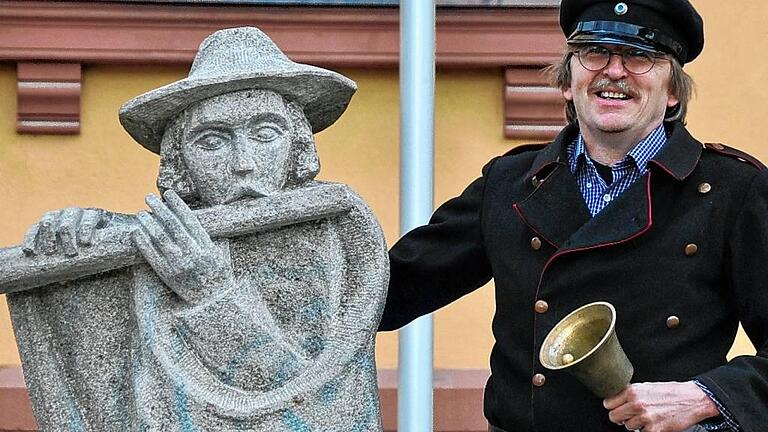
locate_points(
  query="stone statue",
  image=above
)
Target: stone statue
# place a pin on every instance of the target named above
(247, 298)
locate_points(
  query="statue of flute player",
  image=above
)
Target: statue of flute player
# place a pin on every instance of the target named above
(247, 298)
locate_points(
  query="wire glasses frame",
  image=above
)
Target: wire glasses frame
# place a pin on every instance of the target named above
(636, 61)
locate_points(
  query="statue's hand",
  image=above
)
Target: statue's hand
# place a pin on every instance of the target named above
(64, 231)
(180, 251)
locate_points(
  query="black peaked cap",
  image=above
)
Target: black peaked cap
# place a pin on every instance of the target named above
(671, 26)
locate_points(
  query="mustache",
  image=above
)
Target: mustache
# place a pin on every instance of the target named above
(607, 84)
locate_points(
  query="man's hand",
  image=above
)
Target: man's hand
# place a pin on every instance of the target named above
(64, 231)
(180, 251)
(660, 407)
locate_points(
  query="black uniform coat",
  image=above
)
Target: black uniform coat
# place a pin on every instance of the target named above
(632, 254)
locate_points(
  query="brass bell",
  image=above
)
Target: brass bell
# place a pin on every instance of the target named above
(584, 343)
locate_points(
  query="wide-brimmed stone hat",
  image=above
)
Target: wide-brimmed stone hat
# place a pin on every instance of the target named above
(237, 59)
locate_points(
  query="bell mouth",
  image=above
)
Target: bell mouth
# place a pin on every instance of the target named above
(578, 335)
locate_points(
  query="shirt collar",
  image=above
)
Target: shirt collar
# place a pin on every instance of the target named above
(678, 158)
(644, 151)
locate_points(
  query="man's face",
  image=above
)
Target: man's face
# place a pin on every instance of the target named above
(237, 145)
(613, 100)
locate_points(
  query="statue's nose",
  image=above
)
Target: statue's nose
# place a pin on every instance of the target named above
(242, 160)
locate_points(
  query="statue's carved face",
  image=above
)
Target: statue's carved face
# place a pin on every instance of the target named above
(237, 145)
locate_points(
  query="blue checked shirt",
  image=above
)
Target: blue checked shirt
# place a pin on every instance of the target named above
(598, 194)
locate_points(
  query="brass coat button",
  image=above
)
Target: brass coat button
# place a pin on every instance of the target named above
(673, 322)
(535, 243)
(718, 146)
(705, 188)
(691, 249)
(535, 181)
(539, 380)
(541, 306)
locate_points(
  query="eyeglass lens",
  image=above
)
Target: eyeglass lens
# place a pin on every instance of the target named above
(636, 61)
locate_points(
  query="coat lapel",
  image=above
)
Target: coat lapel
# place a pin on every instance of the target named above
(555, 209)
(629, 216)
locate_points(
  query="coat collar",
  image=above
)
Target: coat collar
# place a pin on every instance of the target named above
(681, 154)
(554, 153)
(678, 158)
(555, 209)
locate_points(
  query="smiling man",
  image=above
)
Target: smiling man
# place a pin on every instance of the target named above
(624, 206)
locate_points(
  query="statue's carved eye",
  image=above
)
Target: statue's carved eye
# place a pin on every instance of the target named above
(267, 132)
(211, 141)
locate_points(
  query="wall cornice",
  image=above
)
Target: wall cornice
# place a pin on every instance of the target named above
(77, 33)
(114, 33)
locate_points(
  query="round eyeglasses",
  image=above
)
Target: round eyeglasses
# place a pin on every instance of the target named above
(636, 61)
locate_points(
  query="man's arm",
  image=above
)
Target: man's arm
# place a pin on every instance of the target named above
(435, 264)
(724, 421)
(741, 385)
(735, 395)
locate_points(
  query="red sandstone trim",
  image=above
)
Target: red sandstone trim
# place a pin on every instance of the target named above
(84, 32)
(458, 400)
(533, 110)
(114, 33)
(48, 98)
(15, 409)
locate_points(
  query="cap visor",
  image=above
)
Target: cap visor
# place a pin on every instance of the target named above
(612, 39)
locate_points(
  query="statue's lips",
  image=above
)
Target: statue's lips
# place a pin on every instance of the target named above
(242, 190)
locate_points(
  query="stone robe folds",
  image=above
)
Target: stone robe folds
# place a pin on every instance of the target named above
(288, 348)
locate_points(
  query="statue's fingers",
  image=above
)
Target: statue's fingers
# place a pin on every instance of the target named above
(190, 221)
(142, 242)
(66, 225)
(175, 228)
(160, 238)
(89, 221)
(28, 246)
(46, 235)
(103, 217)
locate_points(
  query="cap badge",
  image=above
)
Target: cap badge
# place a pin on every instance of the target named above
(621, 8)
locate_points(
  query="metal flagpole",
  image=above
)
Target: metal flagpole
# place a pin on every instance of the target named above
(417, 117)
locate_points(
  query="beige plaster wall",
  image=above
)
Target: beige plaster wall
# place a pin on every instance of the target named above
(98, 168)
(103, 168)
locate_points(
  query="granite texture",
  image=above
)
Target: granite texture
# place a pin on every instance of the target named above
(246, 298)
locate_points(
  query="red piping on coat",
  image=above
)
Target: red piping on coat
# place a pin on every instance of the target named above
(638, 234)
(520, 213)
(668, 171)
(541, 168)
(563, 252)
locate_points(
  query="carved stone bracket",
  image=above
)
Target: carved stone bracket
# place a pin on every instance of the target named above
(48, 98)
(533, 110)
